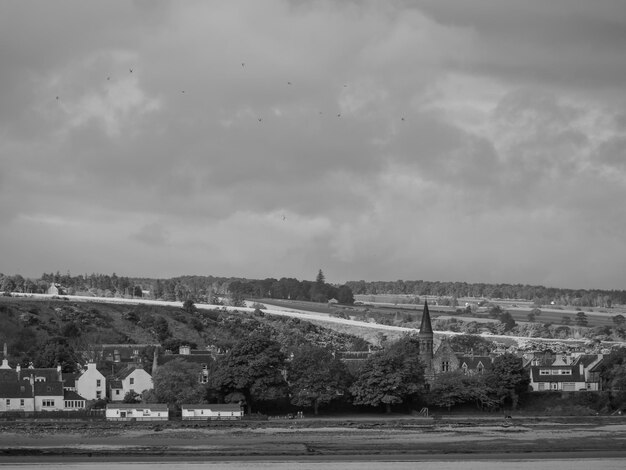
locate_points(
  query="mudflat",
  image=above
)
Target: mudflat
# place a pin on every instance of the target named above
(318, 437)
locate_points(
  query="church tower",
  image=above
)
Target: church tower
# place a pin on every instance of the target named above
(426, 336)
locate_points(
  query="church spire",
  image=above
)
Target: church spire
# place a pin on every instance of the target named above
(426, 336)
(426, 327)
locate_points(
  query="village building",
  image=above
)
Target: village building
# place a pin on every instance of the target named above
(137, 412)
(132, 379)
(91, 384)
(212, 412)
(564, 372)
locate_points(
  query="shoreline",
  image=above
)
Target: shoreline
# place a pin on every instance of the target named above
(311, 439)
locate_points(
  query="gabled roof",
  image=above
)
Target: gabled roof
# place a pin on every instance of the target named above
(138, 406)
(213, 407)
(49, 388)
(69, 380)
(15, 390)
(8, 375)
(50, 374)
(473, 362)
(71, 395)
(574, 377)
(426, 326)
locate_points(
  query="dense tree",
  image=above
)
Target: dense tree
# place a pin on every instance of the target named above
(315, 377)
(508, 379)
(345, 296)
(55, 352)
(619, 320)
(470, 344)
(189, 306)
(581, 319)
(253, 368)
(390, 377)
(455, 388)
(177, 382)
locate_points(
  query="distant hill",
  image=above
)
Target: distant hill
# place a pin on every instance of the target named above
(51, 331)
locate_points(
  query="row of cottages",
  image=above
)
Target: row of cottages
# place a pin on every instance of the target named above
(36, 389)
(564, 372)
(160, 412)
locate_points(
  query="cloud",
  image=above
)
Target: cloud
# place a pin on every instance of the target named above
(419, 139)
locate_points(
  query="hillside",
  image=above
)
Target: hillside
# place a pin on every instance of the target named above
(43, 331)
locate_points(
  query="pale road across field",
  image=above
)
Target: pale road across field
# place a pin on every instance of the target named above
(281, 311)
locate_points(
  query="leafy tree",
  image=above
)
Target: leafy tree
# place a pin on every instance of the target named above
(566, 320)
(581, 319)
(619, 320)
(54, 352)
(455, 388)
(189, 306)
(345, 296)
(507, 320)
(131, 397)
(508, 379)
(177, 382)
(252, 368)
(316, 377)
(470, 344)
(161, 329)
(320, 280)
(390, 377)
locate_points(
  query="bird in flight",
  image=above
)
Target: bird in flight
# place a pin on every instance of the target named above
(243, 64)
(288, 83)
(339, 115)
(403, 118)
(284, 218)
(108, 78)
(131, 70)
(260, 119)
(57, 98)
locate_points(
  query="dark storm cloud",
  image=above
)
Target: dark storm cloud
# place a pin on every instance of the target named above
(269, 138)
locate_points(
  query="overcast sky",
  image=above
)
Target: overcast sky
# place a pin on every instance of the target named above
(477, 141)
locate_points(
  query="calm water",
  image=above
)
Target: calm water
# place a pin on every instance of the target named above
(544, 464)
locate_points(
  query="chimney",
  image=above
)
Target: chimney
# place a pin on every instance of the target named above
(116, 356)
(59, 374)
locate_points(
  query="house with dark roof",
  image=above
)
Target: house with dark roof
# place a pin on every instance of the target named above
(131, 379)
(567, 373)
(16, 396)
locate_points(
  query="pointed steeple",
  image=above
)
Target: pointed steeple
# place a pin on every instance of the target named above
(426, 326)
(426, 337)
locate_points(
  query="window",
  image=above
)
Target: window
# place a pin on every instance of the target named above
(132, 381)
(47, 403)
(117, 392)
(445, 366)
(8, 402)
(98, 383)
(146, 412)
(21, 402)
(544, 371)
(98, 394)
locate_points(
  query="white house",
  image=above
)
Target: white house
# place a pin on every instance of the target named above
(211, 412)
(91, 384)
(16, 396)
(48, 396)
(137, 412)
(131, 379)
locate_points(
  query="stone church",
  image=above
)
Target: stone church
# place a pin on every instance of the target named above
(445, 359)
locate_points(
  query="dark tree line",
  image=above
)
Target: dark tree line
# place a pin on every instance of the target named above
(539, 294)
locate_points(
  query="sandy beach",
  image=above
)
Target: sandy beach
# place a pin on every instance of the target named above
(317, 438)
